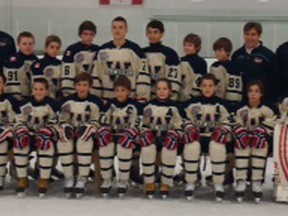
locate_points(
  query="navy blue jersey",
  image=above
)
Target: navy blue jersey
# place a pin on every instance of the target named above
(17, 70)
(77, 58)
(282, 58)
(50, 69)
(7, 48)
(193, 67)
(163, 62)
(261, 65)
(230, 82)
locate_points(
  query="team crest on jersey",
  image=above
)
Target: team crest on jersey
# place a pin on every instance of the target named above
(68, 53)
(244, 115)
(13, 59)
(258, 60)
(49, 72)
(27, 109)
(3, 43)
(37, 65)
(66, 108)
(148, 112)
(26, 66)
(79, 58)
(195, 110)
(103, 56)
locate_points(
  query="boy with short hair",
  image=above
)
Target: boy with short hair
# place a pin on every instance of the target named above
(230, 83)
(35, 129)
(79, 120)
(17, 67)
(121, 57)
(49, 67)
(121, 121)
(163, 61)
(193, 67)
(79, 57)
(206, 123)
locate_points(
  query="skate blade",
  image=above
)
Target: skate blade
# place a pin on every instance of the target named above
(257, 200)
(68, 195)
(42, 195)
(164, 196)
(21, 195)
(79, 195)
(239, 199)
(219, 199)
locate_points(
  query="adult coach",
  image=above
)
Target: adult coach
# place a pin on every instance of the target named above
(7, 47)
(257, 62)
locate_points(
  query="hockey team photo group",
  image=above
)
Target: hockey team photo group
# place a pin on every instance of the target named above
(146, 109)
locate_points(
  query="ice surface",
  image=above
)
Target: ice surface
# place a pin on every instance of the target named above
(135, 204)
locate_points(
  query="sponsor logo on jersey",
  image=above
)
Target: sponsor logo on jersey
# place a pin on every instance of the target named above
(258, 60)
(27, 109)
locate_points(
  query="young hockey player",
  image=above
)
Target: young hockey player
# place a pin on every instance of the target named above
(78, 118)
(8, 107)
(35, 129)
(49, 67)
(120, 126)
(193, 67)
(230, 83)
(206, 123)
(79, 57)
(162, 130)
(17, 67)
(255, 123)
(163, 62)
(121, 57)
(229, 87)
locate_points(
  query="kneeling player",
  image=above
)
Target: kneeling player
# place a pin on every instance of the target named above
(121, 119)
(255, 122)
(7, 117)
(162, 129)
(206, 118)
(35, 128)
(79, 115)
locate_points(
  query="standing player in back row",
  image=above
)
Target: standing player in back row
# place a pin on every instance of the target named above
(121, 57)
(193, 67)
(163, 62)
(79, 57)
